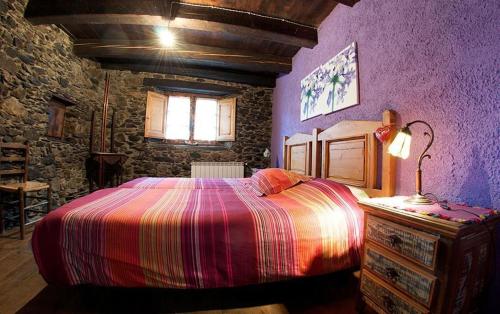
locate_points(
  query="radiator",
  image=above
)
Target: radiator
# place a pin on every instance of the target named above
(217, 169)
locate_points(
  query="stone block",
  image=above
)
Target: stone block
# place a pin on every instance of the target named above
(13, 107)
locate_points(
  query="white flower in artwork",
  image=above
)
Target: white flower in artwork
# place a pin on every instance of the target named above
(332, 86)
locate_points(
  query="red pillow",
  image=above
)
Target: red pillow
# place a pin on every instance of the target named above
(274, 180)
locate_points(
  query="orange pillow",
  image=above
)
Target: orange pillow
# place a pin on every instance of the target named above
(274, 180)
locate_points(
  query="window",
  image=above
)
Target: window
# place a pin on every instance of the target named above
(190, 118)
(178, 116)
(205, 119)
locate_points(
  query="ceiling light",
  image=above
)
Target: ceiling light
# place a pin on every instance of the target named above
(167, 39)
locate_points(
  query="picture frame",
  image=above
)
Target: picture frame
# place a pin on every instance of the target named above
(56, 111)
(331, 87)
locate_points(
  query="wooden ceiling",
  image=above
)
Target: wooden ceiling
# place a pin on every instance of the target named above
(244, 41)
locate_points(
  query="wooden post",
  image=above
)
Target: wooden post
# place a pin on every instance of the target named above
(112, 134)
(324, 157)
(104, 114)
(91, 138)
(285, 138)
(20, 193)
(371, 161)
(26, 161)
(314, 155)
(388, 161)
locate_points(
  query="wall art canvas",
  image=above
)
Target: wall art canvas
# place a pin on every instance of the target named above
(332, 86)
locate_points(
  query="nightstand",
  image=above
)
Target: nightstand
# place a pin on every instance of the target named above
(415, 263)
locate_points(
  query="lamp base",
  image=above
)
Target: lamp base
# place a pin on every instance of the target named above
(419, 199)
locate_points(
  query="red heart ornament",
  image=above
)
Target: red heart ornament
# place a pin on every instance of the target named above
(384, 133)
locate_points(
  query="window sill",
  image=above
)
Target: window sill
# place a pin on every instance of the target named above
(204, 146)
(184, 145)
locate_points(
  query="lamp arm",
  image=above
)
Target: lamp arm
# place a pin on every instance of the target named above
(431, 140)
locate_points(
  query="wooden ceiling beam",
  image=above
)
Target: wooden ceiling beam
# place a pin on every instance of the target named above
(152, 51)
(191, 87)
(197, 72)
(242, 23)
(187, 16)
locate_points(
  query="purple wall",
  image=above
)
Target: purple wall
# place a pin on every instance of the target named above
(431, 60)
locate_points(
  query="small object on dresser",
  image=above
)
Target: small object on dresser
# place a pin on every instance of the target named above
(422, 260)
(448, 211)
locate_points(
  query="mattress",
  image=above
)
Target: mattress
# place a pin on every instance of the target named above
(199, 238)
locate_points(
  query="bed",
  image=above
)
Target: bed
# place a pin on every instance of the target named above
(185, 183)
(212, 233)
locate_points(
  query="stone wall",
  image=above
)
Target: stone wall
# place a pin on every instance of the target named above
(153, 158)
(37, 62)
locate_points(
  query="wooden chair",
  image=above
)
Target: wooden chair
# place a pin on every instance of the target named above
(17, 161)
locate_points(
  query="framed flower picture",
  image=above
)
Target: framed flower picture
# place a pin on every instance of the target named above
(332, 86)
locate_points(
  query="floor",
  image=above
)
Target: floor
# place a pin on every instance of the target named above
(22, 290)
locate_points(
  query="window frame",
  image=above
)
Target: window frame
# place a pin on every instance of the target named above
(192, 112)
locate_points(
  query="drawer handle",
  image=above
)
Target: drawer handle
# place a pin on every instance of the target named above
(389, 304)
(391, 273)
(394, 240)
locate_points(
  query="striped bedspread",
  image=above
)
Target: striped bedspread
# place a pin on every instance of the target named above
(184, 183)
(199, 238)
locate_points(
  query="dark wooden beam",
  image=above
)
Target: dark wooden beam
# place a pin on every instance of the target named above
(191, 87)
(197, 72)
(65, 100)
(146, 50)
(193, 16)
(187, 16)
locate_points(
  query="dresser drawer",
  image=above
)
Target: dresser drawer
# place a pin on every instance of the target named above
(387, 298)
(418, 246)
(416, 283)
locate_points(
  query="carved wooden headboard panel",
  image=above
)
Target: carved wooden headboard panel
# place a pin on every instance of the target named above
(349, 155)
(298, 154)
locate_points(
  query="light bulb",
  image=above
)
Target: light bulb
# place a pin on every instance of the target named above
(167, 39)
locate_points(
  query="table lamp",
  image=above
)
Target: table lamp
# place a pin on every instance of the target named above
(400, 148)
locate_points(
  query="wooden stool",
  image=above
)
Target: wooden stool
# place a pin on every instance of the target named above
(20, 188)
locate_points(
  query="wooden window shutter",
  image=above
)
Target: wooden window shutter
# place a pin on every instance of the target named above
(226, 119)
(156, 117)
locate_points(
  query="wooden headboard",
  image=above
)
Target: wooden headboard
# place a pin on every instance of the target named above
(300, 155)
(349, 155)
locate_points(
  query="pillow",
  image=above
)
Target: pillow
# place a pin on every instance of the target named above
(274, 180)
(358, 193)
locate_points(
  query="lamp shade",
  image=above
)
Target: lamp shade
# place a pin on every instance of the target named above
(400, 147)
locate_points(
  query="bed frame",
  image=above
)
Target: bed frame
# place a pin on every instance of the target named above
(300, 153)
(347, 152)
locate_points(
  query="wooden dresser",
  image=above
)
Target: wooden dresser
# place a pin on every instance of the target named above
(414, 263)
